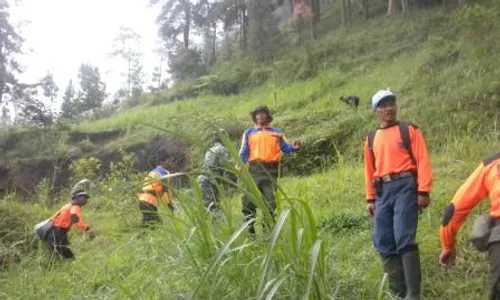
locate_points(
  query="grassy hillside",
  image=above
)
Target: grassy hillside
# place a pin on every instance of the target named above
(441, 64)
(444, 68)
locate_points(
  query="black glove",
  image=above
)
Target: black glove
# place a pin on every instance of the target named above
(90, 235)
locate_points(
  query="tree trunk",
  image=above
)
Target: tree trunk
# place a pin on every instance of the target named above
(160, 74)
(349, 13)
(187, 25)
(344, 13)
(392, 7)
(317, 10)
(227, 45)
(128, 76)
(214, 44)
(316, 7)
(54, 176)
(2, 82)
(244, 28)
(3, 72)
(404, 6)
(365, 4)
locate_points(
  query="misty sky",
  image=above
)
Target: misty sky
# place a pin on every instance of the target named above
(61, 34)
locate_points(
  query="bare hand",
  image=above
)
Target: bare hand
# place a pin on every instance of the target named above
(370, 208)
(447, 258)
(239, 169)
(423, 201)
(296, 145)
(172, 206)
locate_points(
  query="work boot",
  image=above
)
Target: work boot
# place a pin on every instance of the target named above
(413, 277)
(393, 266)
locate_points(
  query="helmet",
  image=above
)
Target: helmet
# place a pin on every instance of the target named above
(81, 188)
(262, 108)
(79, 192)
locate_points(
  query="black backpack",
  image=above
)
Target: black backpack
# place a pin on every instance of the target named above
(405, 137)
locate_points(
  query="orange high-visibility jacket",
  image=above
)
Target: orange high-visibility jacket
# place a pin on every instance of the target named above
(484, 181)
(154, 189)
(392, 157)
(68, 215)
(263, 144)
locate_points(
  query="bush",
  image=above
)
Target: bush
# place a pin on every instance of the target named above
(89, 168)
(17, 240)
(86, 145)
(44, 193)
(217, 85)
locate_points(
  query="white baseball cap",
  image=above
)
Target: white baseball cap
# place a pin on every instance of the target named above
(381, 95)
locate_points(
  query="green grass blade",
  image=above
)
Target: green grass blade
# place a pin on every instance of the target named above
(268, 285)
(275, 288)
(315, 253)
(222, 251)
(381, 288)
(272, 244)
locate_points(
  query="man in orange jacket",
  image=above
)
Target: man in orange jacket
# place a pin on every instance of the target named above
(261, 148)
(483, 182)
(398, 178)
(70, 214)
(154, 189)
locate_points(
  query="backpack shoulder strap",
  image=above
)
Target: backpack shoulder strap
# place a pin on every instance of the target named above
(58, 212)
(404, 130)
(491, 159)
(371, 138)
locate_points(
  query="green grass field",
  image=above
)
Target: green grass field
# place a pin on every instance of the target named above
(189, 253)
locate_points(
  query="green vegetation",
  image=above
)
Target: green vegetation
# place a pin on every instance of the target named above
(443, 67)
(189, 251)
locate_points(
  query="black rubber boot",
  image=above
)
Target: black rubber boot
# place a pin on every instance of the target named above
(393, 266)
(411, 264)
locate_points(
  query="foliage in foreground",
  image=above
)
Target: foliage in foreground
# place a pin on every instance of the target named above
(320, 248)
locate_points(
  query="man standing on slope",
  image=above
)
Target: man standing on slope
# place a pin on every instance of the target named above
(483, 182)
(156, 187)
(217, 159)
(398, 178)
(261, 148)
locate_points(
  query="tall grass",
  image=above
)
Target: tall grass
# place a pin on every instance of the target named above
(320, 248)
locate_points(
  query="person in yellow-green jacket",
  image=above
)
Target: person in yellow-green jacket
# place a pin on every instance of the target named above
(156, 188)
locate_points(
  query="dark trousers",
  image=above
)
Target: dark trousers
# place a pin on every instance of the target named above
(494, 277)
(396, 217)
(209, 191)
(266, 178)
(57, 240)
(149, 213)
